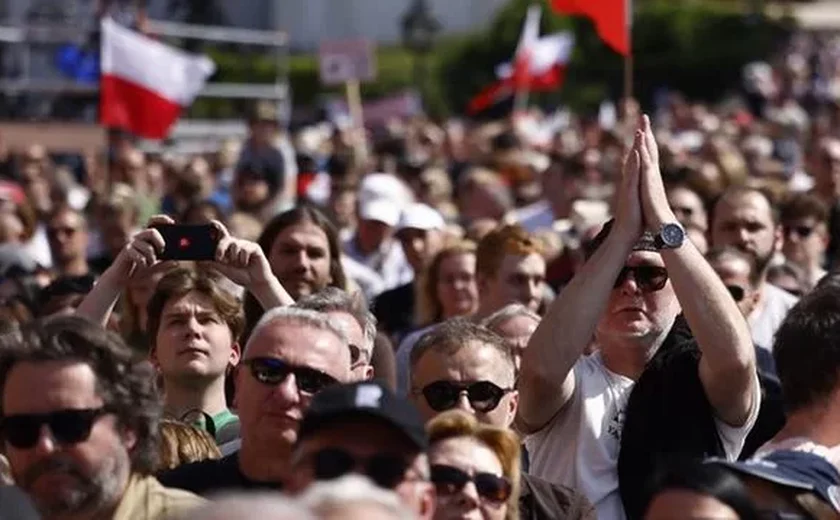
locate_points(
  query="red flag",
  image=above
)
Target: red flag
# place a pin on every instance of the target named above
(609, 16)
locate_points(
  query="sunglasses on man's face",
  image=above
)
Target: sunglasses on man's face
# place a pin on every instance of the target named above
(273, 371)
(449, 480)
(649, 278)
(800, 231)
(484, 396)
(386, 470)
(737, 292)
(22, 431)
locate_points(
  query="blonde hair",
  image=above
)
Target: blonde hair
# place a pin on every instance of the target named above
(181, 443)
(428, 309)
(501, 441)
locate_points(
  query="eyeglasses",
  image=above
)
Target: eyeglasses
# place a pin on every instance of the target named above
(737, 292)
(449, 480)
(385, 470)
(800, 231)
(67, 426)
(649, 278)
(484, 396)
(273, 371)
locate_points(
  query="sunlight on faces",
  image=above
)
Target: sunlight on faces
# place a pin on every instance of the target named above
(518, 280)
(735, 272)
(801, 250)
(67, 236)
(688, 208)
(300, 258)
(193, 341)
(271, 414)
(633, 313)
(420, 246)
(74, 478)
(746, 223)
(471, 456)
(471, 363)
(456, 289)
(690, 504)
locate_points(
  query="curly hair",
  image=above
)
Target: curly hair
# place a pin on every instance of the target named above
(182, 443)
(504, 443)
(124, 382)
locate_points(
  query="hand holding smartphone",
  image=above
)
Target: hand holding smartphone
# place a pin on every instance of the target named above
(188, 242)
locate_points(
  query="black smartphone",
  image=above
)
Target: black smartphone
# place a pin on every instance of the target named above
(188, 241)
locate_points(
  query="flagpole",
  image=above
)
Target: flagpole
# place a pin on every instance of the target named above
(628, 64)
(520, 101)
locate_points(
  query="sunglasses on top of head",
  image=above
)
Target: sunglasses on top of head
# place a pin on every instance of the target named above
(449, 480)
(649, 278)
(71, 426)
(484, 396)
(273, 371)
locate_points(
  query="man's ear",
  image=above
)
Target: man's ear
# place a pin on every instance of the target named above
(235, 354)
(369, 373)
(153, 358)
(779, 238)
(129, 438)
(513, 407)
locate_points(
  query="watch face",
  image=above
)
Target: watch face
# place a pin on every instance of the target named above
(672, 235)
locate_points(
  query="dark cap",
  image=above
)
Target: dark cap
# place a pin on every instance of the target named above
(795, 469)
(646, 242)
(367, 399)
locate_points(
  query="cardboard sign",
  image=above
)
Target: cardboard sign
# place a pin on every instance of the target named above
(346, 61)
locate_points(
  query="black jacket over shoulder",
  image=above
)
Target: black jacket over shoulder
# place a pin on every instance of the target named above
(542, 500)
(668, 416)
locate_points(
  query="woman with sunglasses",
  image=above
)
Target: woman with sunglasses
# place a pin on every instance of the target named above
(474, 467)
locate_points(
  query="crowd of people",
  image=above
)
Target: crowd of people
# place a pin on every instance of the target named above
(539, 318)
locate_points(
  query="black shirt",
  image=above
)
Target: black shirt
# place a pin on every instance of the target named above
(394, 310)
(542, 500)
(210, 476)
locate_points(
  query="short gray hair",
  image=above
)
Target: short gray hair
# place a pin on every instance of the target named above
(300, 317)
(246, 506)
(508, 312)
(331, 496)
(332, 299)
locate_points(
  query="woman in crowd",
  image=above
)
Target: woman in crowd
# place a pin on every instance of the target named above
(448, 287)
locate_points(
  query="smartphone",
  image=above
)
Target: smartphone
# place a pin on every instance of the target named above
(188, 241)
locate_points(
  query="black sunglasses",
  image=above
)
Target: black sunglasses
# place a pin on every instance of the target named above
(385, 470)
(66, 426)
(649, 278)
(273, 371)
(801, 231)
(737, 292)
(484, 396)
(449, 480)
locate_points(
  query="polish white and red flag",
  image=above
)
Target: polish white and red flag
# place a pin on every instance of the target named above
(145, 84)
(538, 66)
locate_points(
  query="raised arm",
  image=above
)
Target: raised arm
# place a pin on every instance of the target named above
(727, 367)
(546, 381)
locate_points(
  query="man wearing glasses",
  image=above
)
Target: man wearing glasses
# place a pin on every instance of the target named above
(462, 365)
(79, 424)
(364, 428)
(654, 389)
(291, 355)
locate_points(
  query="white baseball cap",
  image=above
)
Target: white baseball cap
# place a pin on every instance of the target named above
(380, 210)
(421, 216)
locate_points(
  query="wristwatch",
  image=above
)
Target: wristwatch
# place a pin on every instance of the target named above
(670, 236)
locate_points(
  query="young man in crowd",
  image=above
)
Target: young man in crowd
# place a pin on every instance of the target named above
(804, 219)
(463, 365)
(80, 424)
(363, 427)
(291, 355)
(745, 219)
(650, 392)
(67, 234)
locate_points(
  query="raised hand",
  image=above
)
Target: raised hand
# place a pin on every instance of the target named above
(628, 214)
(242, 261)
(142, 254)
(655, 206)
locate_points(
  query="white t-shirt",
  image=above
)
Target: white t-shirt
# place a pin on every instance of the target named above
(579, 447)
(765, 321)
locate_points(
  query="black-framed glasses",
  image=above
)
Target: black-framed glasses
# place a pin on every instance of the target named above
(449, 480)
(737, 292)
(649, 278)
(70, 426)
(386, 470)
(273, 371)
(484, 396)
(800, 231)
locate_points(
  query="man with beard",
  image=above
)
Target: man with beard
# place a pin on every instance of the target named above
(745, 219)
(80, 424)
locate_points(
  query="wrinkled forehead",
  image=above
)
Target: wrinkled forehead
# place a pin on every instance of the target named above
(637, 258)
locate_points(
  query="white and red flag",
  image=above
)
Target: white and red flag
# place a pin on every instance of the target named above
(145, 83)
(538, 66)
